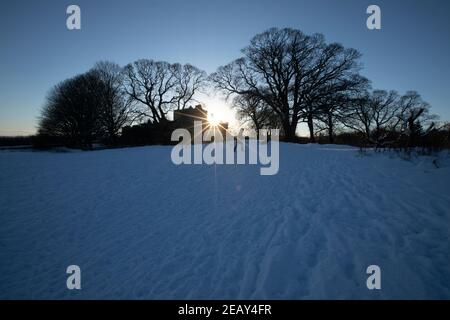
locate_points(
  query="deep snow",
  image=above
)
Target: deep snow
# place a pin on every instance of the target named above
(140, 227)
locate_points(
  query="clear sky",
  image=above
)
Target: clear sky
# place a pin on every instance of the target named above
(37, 51)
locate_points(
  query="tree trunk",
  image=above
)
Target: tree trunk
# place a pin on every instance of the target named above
(289, 131)
(312, 139)
(330, 128)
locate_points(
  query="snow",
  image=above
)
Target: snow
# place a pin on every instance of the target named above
(140, 227)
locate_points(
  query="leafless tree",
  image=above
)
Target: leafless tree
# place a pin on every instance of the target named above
(288, 71)
(190, 80)
(359, 115)
(253, 109)
(386, 107)
(72, 110)
(332, 105)
(160, 87)
(115, 111)
(415, 113)
(376, 115)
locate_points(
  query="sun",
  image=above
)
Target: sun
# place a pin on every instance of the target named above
(219, 112)
(213, 120)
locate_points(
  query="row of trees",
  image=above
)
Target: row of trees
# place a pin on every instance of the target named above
(100, 102)
(283, 78)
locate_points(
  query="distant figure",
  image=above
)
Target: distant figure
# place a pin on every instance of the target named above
(239, 139)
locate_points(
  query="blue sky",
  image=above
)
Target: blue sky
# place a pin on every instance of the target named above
(37, 51)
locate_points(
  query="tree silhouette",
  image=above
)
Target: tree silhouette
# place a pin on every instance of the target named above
(291, 72)
(255, 110)
(116, 107)
(72, 110)
(160, 87)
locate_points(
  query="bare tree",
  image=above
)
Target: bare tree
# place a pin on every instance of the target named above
(329, 115)
(190, 80)
(385, 106)
(72, 110)
(255, 110)
(116, 109)
(333, 80)
(414, 114)
(359, 115)
(288, 71)
(161, 87)
(332, 104)
(376, 115)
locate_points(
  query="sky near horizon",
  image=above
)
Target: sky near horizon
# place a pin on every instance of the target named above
(410, 52)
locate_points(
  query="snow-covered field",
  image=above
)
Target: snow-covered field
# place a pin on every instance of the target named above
(140, 227)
